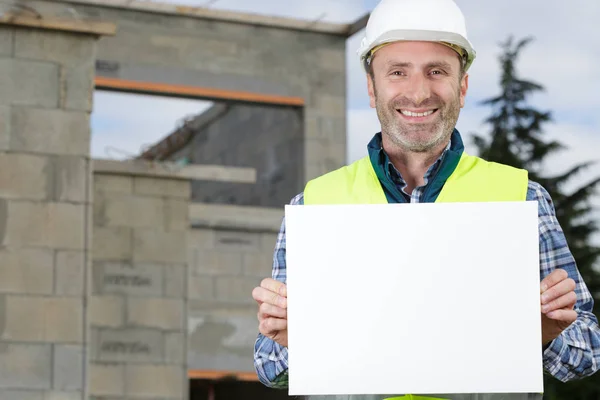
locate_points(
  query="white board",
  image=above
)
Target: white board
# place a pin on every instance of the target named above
(414, 299)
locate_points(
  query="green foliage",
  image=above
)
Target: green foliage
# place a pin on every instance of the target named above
(516, 138)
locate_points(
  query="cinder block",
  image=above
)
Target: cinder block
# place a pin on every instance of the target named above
(70, 273)
(201, 288)
(329, 106)
(4, 128)
(235, 289)
(70, 176)
(161, 187)
(107, 380)
(26, 271)
(30, 83)
(159, 247)
(54, 225)
(6, 41)
(22, 395)
(174, 279)
(23, 176)
(113, 184)
(132, 211)
(151, 381)
(202, 238)
(68, 49)
(25, 366)
(258, 265)
(50, 131)
(56, 320)
(55, 395)
(268, 242)
(129, 345)
(177, 215)
(112, 243)
(233, 241)
(68, 368)
(209, 262)
(107, 311)
(175, 348)
(158, 313)
(78, 87)
(330, 59)
(130, 279)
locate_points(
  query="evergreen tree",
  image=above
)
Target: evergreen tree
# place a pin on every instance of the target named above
(516, 138)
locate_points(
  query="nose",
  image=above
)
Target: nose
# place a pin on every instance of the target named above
(418, 89)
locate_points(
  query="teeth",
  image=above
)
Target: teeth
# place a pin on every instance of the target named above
(412, 114)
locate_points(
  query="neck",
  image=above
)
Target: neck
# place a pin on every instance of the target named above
(412, 165)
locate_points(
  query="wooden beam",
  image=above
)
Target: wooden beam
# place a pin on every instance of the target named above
(166, 89)
(217, 375)
(51, 23)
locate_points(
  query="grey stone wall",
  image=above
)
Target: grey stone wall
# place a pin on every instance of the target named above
(264, 137)
(230, 252)
(46, 83)
(138, 307)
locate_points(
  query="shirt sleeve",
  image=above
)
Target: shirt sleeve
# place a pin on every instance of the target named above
(576, 352)
(270, 358)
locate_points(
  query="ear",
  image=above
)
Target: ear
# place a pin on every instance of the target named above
(464, 86)
(371, 90)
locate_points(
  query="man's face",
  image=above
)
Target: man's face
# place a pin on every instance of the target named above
(418, 93)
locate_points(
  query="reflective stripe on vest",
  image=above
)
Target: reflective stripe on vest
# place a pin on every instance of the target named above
(473, 180)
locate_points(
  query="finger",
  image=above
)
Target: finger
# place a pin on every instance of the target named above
(268, 310)
(271, 326)
(274, 286)
(566, 301)
(558, 290)
(262, 295)
(568, 316)
(556, 276)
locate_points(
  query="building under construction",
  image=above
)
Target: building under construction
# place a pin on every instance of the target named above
(133, 279)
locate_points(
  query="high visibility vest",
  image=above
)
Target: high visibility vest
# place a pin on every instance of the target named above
(473, 180)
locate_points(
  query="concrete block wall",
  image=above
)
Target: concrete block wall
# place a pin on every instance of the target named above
(138, 307)
(230, 252)
(181, 49)
(265, 137)
(46, 83)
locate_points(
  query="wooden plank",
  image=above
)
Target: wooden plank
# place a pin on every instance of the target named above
(102, 82)
(217, 375)
(90, 27)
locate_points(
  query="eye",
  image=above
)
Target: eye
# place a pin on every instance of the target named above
(397, 73)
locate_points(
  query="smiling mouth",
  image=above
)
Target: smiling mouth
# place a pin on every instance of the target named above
(413, 114)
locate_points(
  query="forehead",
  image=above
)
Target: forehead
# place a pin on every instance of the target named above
(416, 53)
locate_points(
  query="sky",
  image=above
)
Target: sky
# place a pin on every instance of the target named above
(564, 58)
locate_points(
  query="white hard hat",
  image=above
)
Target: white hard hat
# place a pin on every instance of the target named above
(416, 20)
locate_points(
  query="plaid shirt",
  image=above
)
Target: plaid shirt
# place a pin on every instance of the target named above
(574, 354)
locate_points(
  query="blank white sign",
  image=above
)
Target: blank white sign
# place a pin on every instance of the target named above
(414, 299)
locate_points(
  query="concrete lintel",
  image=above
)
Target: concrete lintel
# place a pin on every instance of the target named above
(175, 171)
(56, 24)
(344, 30)
(223, 216)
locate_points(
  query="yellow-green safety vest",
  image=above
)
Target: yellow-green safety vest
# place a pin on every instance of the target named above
(473, 180)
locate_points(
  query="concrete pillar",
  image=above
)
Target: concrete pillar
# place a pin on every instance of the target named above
(138, 309)
(46, 84)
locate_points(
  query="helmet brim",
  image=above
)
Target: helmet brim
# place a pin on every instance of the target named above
(422, 36)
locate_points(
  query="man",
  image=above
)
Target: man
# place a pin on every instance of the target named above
(416, 55)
